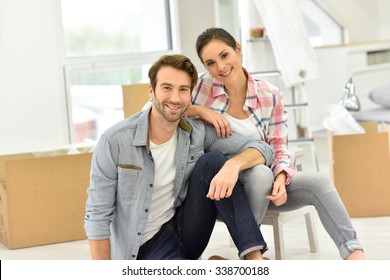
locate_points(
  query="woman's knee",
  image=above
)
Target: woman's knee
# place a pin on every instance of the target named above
(313, 182)
(258, 179)
(258, 173)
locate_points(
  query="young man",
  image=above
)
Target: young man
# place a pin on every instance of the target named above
(158, 182)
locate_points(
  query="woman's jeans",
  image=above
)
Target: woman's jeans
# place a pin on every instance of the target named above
(187, 234)
(306, 188)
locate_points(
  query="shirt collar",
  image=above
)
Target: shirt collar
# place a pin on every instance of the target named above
(251, 95)
(218, 88)
(141, 137)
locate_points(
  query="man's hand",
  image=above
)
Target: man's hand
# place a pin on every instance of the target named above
(224, 181)
(100, 249)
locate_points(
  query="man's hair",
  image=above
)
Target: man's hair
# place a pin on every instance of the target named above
(177, 61)
(211, 34)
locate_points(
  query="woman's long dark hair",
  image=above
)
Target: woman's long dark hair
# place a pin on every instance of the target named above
(214, 33)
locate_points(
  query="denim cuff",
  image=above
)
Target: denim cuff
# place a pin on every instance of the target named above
(254, 247)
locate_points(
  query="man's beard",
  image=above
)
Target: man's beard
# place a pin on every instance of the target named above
(167, 116)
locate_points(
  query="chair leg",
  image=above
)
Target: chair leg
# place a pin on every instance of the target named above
(278, 238)
(311, 232)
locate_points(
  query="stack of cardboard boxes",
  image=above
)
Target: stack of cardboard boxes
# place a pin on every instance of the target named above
(360, 168)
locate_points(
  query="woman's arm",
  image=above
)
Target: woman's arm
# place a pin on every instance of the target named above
(221, 124)
(277, 137)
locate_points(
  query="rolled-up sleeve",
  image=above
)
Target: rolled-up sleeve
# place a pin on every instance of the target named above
(100, 204)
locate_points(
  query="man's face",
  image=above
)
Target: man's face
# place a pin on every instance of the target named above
(172, 96)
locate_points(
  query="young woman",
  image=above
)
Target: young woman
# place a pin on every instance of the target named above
(229, 98)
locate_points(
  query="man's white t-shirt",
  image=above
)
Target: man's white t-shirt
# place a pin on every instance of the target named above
(162, 208)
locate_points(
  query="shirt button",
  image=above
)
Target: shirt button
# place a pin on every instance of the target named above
(146, 210)
(192, 157)
(139, 233)
(133, 256)
(151, 185)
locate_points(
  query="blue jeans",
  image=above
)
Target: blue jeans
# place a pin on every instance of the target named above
(187, 234)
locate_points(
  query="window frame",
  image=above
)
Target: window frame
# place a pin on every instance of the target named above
(72, 65)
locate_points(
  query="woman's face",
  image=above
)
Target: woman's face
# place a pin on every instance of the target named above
(222, 61)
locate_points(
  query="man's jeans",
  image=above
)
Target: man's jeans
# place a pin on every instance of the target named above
(187, 234)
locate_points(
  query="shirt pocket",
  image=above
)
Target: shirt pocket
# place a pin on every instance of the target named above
(129, 181)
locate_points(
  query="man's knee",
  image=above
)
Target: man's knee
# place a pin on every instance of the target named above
(212, 160)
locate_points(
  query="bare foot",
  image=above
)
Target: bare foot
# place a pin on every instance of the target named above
(215, 257)
(356, 255)
(255, 255)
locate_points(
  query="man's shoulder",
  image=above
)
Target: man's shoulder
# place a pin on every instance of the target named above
(200, 129)
(195, 123)
(124, 126)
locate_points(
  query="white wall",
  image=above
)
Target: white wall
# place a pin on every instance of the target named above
(32, 103)
(365, 19)
(194, 17)
(384, 19)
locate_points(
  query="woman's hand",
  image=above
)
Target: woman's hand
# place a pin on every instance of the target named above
(279, 194)
(221, 124)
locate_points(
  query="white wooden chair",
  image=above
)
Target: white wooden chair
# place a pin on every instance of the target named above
(277, 219)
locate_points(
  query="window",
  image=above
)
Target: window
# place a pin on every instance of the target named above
(322, 27)
(108, 44)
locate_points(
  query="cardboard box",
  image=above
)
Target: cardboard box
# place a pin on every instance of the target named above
(360, 169)
(42, 200)
(135, 97)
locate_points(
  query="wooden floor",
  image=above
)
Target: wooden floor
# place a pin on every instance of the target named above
(374, 233)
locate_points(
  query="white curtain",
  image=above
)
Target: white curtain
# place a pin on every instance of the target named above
(294, 55)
